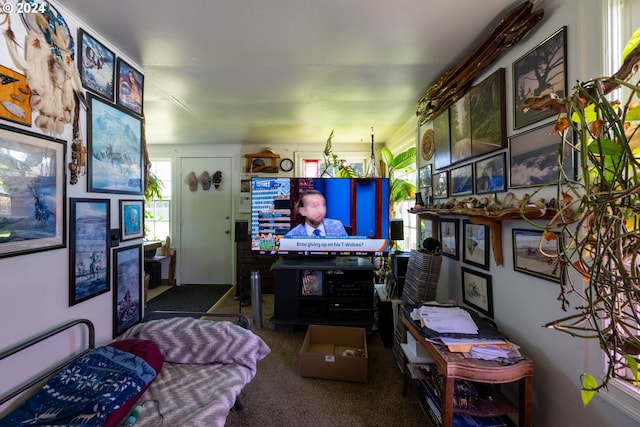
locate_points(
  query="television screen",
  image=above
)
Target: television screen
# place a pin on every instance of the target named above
(320, 216)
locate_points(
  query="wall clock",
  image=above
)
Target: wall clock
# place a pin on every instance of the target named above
(428, 144)
(286, 165)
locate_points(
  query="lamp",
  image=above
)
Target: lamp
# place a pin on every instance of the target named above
(372, 169)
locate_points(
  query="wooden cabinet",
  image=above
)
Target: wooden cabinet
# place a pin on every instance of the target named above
(246, 262)
(454, 366)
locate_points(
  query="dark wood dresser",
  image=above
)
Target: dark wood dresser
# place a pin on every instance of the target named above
(247, 262)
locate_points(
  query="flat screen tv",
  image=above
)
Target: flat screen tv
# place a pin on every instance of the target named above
(356, 224)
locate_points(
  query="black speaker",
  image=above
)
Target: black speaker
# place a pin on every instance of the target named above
(242, 230)
(396, 229)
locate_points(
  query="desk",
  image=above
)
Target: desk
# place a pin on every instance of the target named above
(454, 365)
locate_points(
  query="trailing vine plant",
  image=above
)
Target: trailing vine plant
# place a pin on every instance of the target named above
(598, 218)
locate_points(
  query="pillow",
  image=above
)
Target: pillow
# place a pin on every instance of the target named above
(150, 353)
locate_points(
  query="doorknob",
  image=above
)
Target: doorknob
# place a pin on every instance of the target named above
(227, 231)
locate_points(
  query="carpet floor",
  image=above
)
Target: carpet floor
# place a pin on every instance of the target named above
(188, 298)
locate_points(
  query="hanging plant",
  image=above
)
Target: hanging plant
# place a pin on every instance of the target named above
(598, 219)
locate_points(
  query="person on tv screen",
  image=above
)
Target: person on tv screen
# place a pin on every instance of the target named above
(313, 208)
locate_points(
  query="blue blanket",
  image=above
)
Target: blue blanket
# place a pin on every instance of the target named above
(85, 391)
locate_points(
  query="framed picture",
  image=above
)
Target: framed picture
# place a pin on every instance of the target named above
(97, 65)
(449, 237)
(460, 123)
(428, 227)
(127, 283)
(534, 255)
(462, 180)
(442, 140)
(440, 182)
(130, 87)
(491, 174)
(477, 291)
(475, 244)
(15, 97)
(114, 149)
(89, 243)
(131, 219)
(533, 157)
(488, 115)
(32, 192)
(540, 71)
(424, 176)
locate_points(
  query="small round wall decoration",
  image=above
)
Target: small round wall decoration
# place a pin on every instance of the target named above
(428, 144)
(286, 165)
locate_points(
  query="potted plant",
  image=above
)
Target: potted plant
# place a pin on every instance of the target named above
(598, 218)
(152, 191)
(332, 164)
(400, 189)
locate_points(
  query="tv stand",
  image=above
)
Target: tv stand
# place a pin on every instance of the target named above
(326, 291)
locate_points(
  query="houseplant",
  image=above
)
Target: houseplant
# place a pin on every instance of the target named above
(598, 218)
(152, 191)
(333, 164)
(399, 189)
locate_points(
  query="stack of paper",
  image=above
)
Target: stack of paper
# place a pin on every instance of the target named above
(447, 320)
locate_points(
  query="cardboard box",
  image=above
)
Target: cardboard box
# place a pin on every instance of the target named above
(335, 353)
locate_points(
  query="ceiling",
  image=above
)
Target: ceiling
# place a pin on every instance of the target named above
(286, 71)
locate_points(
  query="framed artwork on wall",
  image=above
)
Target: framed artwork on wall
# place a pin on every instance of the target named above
(542, 70)
(15, 97)
(442, 140)
(127, 283)
(533, 157)
(475, 244)
(424, 177)
(449, 237)
(491, 174)
(131, 219)
(440, 183)
(462, 180)
(97, 65)
(477, 291)
(460, 125)
(114, 149)
(130, 87)
(535, 255)
(488, 115)
(89, 244)
(32, 192)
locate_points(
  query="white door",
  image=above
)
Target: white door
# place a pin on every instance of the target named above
(205, 224)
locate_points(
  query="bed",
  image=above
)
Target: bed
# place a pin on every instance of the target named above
(172, 369)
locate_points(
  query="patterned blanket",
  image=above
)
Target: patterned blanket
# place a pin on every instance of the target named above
(85, 391)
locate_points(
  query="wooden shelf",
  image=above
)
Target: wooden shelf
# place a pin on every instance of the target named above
(493, 220)
(272, 168)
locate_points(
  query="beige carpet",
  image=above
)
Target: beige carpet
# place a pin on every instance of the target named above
(278, 396)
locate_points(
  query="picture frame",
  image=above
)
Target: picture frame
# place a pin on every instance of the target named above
(130, 88)
(460, 128)
(424, 176)
(533, 157)
(488, 115)
(96, 64)
(15, 97)
(131, 219)
(528, 258)
(475, 244)
(442, 140)
(89, 245)
(449, 237)
(114, 169)
(541, 70)
(440, 183)
(127, 282)
(33, 192)
(477, 290)
(461, 180)
(427, 228)
(491, 174)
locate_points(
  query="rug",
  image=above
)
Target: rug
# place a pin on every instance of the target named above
(188, 298)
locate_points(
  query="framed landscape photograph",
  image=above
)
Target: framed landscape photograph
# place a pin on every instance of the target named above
(477, 291)
(442, 140)
(533, 157)
(462, 180)
(89, 244)
(540, 71)
(536, 256)
(127, 283)
(491, 174)
(114, 156)
(32, 192)
(97, 65)
(449, 237)
(460, 124)
(131, 219)
(488, 115)
(424, 176)
(130, 87)
(440, 183)
(475, 244)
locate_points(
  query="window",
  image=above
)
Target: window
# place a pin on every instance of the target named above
(157, 212)
(401, 210)
(309, 165)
